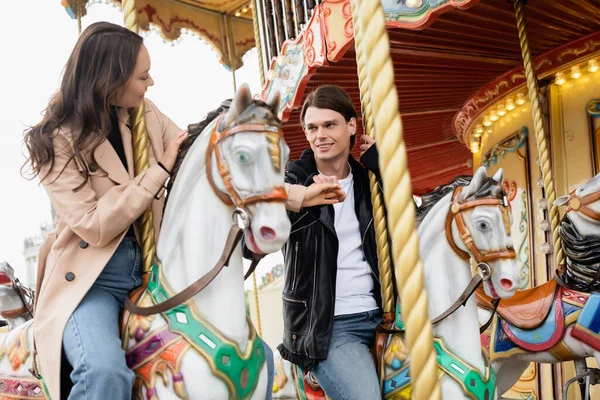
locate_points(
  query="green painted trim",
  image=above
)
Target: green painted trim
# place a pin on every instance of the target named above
(473, 383)
(224, 357)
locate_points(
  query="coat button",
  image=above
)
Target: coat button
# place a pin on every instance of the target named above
(294, 337)
(83, 244)
(69, 276)
(93, 168)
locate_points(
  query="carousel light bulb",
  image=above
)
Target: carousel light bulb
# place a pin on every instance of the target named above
(479, 128)
(520, 99)
(245, 9)
(540, 182)
(543, 204)
(560, 78)
(486, 120)
(593, 65)
(237, 14)
(493, 115)
(510, 104)
(501, 110)
(575, 72)
(474, 147)
(546, 248)
(545, 226)
(488, 132)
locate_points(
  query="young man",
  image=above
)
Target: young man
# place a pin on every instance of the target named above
(331, 298)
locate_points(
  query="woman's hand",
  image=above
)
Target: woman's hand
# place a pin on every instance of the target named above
(321, 193)
(168, 159)
(368, 142)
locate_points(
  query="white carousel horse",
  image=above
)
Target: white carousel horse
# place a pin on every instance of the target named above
(229, 180)
(457, 223)
(544, 324)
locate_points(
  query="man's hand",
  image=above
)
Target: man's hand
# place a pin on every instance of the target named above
(368, 142)
(320, 193)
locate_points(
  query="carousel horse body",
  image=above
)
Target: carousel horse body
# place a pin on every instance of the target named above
(556, 321)
(477, 212)
(230, 178)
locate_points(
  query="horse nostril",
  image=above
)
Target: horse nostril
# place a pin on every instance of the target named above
(506, 284)
(267, 233)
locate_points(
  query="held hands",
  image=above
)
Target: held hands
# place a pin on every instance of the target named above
(368, 142)
(325, 190)
(168, 159)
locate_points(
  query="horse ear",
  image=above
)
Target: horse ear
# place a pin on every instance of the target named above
(499, 176)
(561, 201)
(241, 101)
(275, 101)
(478, 180)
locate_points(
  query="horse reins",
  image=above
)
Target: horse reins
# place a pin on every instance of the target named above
(23, 292)
(241, 218)
(481, 257)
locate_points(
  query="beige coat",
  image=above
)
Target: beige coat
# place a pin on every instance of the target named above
(91, 223)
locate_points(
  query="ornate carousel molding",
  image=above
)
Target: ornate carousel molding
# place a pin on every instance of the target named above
(511, 86)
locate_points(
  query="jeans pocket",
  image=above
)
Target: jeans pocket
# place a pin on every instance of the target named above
(374, 317)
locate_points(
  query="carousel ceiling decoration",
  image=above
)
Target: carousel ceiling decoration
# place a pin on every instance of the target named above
(215, 21)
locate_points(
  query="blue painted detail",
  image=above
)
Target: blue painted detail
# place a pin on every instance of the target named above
(590, 315)
(539, 335)
(569, 309)
(502, 342)
(396, 364)
(400, 380)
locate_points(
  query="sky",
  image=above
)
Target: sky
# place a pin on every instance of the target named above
(36, 38)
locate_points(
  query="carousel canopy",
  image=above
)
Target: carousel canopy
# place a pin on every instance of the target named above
(213, 20)
(451, 62)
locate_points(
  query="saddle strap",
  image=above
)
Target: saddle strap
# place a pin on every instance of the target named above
(233, 238)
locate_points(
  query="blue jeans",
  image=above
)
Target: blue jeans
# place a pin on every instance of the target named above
(348, 372)
(91, 339)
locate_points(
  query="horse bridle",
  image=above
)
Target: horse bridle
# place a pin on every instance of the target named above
(580, 204)
(232, 196)
(482, 257)
(241, 217)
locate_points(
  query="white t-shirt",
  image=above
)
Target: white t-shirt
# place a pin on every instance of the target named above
(354, 283)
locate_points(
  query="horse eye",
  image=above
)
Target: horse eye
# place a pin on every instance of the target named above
(482, 225)
(242, 157)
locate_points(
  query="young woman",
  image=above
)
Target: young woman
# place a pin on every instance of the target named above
(331, 297)
(82, 151)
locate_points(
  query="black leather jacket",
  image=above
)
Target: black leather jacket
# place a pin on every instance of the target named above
(311, 262)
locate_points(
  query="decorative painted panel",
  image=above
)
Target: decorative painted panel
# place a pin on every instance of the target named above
(292, 68)
(418, 14)
(338, 27)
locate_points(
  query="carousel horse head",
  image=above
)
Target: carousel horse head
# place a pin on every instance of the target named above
(14, 298)
(478, 226)
(246, 161)
(580, 236)
(583, 207)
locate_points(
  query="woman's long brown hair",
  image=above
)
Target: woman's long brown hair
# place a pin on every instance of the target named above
(101, 63)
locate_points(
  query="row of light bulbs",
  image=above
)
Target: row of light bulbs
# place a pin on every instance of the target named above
(575, 72)
(492, 116)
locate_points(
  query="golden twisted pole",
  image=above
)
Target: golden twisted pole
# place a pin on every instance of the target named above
(262, 82)
(261, 67)
(538, 127)
(398, 197)
(140, 151)
(381, 232)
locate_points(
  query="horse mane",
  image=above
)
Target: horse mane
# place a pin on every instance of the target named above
(194, 132)
(490, 189)
(430, 199)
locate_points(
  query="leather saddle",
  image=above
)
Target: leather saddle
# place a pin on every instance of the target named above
(527, 309)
